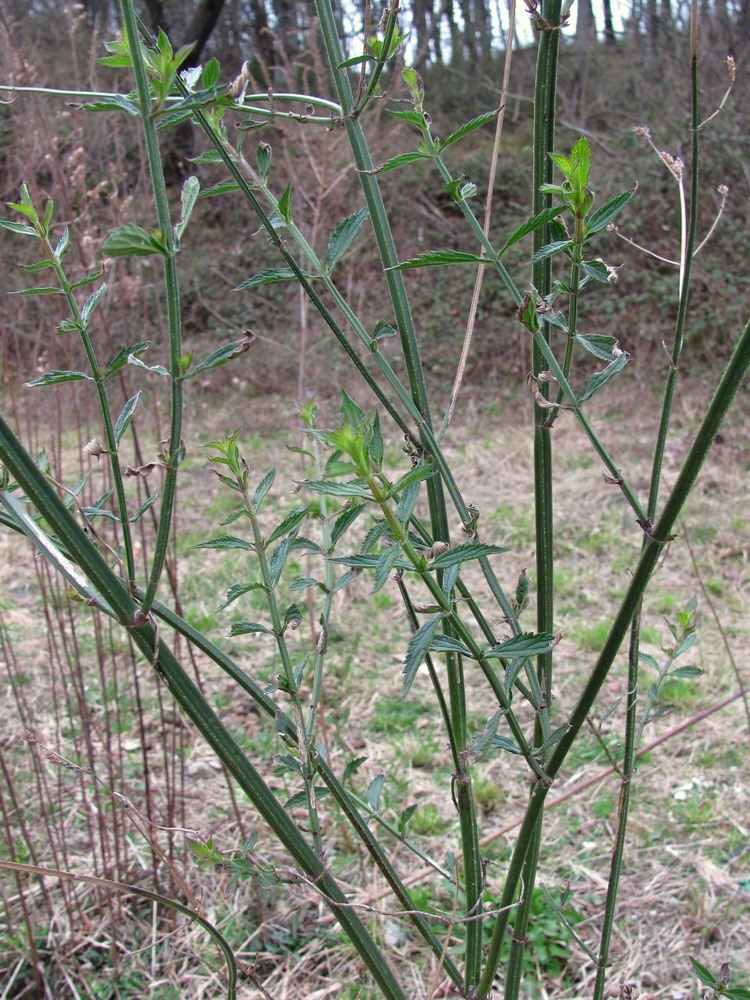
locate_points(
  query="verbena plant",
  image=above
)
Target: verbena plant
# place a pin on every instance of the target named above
(353, 487)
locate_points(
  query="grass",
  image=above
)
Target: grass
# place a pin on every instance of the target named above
(401, 738)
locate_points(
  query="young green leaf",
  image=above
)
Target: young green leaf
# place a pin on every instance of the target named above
(417, 649)
(374, 791)
(18, 227)
(601, 378)
(123, 421)
(355, 488)
(343, 236)
(706, 977)
(238, 590)
(285, 204)
(91, 303)
(531, 225)
(482, 740)
(190, 191)
(292, 519)
(598, 345)
(557, 246)
(263, 487)
(224, 542)
(415, 118)
(437, 258)
(352, 767)
(278, 558)
(469, 127)
(604, 215)
(55, 377)
(465, 552)
(133, 241)
(397, 161)
(521, 646)
(121, 358)
(246, 628)
(449, 644)
(385, 564)
(345, 520)
(115, 102)
(222, 355)
(147, 504)
(266, 277)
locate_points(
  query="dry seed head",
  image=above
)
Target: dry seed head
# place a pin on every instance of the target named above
(723, 190)
(732, 67)
(94, 449)
(642, 131)
(437, 549)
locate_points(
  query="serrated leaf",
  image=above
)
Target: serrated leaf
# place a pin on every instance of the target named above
(383, 330)
(292, 519)
(438, 258)
(355, 488)
(122, 356)
(116, 102)
(263, 487)
(463, 553)
(55, 377)
(123, 421)
(449, 644)
(351, 767)
(600, 379)
(210, 156)
(736, 993)
(88, 279)
(557, 246)
(132, 241)
(411, 117)
(285, 204)
(303, 583)
(384, 565)
(469, 127)
(67, 326)
(343, 236)
(292, 616)
(398, 161)
(449, 579)
(225, 187)
(420, 472)
(147, 504)
(521, 646)
(344, 521)
(373, 536)
(92, 302)
(596, 270)
(278, 559)
(661, 712)
(407, 503)
(598, 345)
(648, 659)
(247, 628)
(417, 649)
(552, 740)
(505, 743)
(40, 265)
(266, 277)
(685, 644)
(376, 443)
(237, 591)
(406, 815)
(706, 977)
(374, 791)
(683, 673)
(604, 215)
(221, 356)
(531, 225)
(224, 542)
(482, 740)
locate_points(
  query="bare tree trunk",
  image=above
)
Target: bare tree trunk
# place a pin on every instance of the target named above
(609, 28)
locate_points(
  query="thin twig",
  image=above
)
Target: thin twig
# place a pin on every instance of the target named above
(717, 621)
(487, 218)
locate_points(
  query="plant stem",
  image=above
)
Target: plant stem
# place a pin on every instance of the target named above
(544, 137)
(688, 237)
(731, 380)
(173, 449)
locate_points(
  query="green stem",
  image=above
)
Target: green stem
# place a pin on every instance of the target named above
(173, 449)
(109, 431)
(631, 739)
